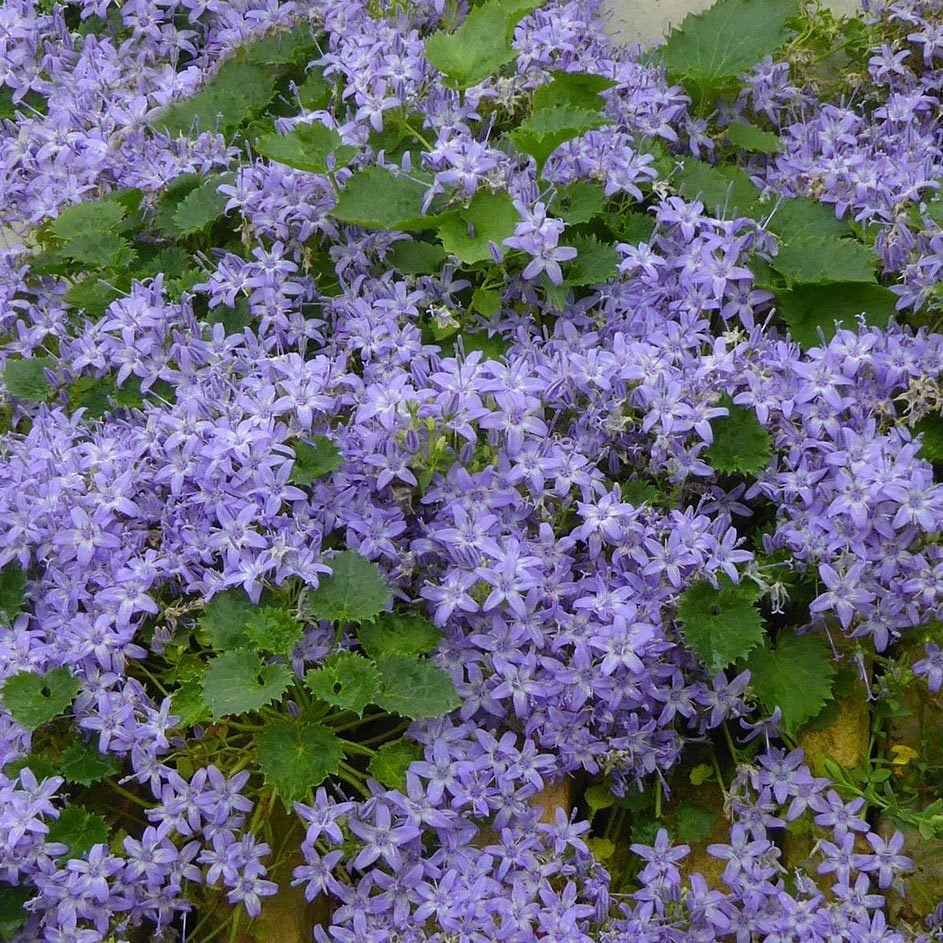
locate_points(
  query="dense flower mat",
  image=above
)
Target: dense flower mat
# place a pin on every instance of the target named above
(407, 409)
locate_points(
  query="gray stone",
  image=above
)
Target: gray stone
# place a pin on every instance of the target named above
(647, 21)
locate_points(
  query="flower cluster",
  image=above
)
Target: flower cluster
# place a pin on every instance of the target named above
(833, 895)
(529, 427)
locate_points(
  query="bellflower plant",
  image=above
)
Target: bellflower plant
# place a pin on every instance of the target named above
(457, 471)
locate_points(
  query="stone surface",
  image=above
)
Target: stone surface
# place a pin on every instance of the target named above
(846, 740)
(710, 797)
(918, 732)
(647, 21)
(286, 917)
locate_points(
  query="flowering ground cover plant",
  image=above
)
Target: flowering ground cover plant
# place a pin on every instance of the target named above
(465, 481)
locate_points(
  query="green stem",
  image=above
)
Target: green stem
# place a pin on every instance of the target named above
(301, 695)
(259, 811)
(831, 52)
(130, 796)
(218, 930)
(380, 738)
(734, 753)
(351, 724)
(202, 921)
(612, 824)
(248, 728)
(717, 772)
(152, 679)
(418, 135)
(358, 748)
(242, 764)
(353, 778)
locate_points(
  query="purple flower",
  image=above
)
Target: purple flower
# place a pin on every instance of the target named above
(885, 858)
(382, 839)
(931, 666)
(741, 854)
(845, 596)
(537, 235)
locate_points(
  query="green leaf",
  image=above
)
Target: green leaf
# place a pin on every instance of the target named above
(578, 202)
(237, 92)
(224, 620)
(721, 625)
(493, 346)
(99, 395)
(274, 630)
(307, 147)
(489, 217)
(764, 276)
(170, 199)
(101, 250)
(34, 699)
(542, 132)
(395, 634)
(557, 296)
(821, 260)
(599, 796)
(389, 764)
(709, 50)
(13, 913)
(12, 590)
(700, 774)
(377, 198)
(573, 90)
(237, 682)
(40, 766)
(314, 459)
(92, 295)
(77, 221)
(81, 763)
(296, 46)
(632, 228)
(90, 232)
(796, 676)
(740, 443)
(234, 320)
(188, 704)
(933, 210)
(201, 207)
(603, 849)
(354, 592)
(131, 199)
(78, 828)
(809, 309)
(751, 138)
(802, 218)
(638, 492)
(175, 287)
(595, 263)
(295, 756)
(481, 45)
(346, 680)
(694, 822)
(173, 261)
(26, 379)
(930, 429)
(417, 258)
(315, 92)
(415, 688)
(827, 717)
(486, 301)
(725, 191)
